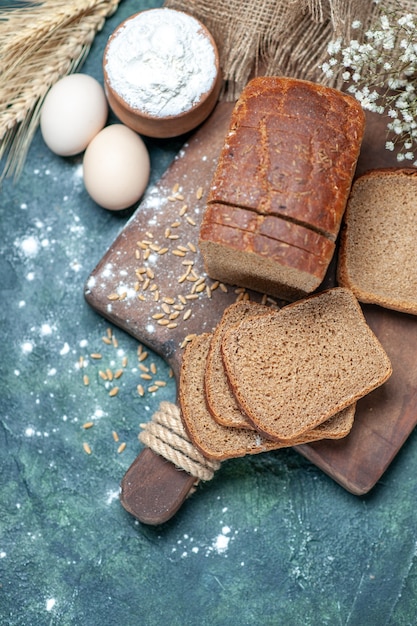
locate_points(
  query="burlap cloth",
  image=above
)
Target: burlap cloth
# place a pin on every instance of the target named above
(282, 37)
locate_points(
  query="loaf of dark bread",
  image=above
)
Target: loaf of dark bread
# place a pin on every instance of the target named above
(290, 155)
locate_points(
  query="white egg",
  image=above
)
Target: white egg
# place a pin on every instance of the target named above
(74, 111)
(116, 167)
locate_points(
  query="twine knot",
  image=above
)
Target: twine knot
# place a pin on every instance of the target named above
(165, 434)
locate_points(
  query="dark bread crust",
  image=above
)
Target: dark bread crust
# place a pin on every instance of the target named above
(220, 400)
(291, 151)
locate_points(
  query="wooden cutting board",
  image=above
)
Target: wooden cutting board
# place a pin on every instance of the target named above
(151, 283)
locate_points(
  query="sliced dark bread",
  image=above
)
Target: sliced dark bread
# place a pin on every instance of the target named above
(335, 427)
(220, 399)
(293, 369)
(271, 226)
(212, 439)
(378, 251)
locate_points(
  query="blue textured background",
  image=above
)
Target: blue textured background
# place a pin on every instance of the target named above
(270, 540)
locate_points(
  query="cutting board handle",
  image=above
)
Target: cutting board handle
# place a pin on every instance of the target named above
(153, 489)
(167, 471)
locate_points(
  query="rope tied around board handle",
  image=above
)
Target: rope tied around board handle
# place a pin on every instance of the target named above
(165, 434)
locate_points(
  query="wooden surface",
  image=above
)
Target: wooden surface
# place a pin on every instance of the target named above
(153, 489)
(384, 419)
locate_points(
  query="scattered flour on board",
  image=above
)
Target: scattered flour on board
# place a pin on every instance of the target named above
(65, 349)
(46, 329)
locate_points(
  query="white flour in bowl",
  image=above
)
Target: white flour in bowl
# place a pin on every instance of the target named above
(161, 62)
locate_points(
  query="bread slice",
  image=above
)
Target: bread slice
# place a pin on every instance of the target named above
(215, 441)
(220, 399)
(292, 370)
(378, 251)
(271, 226)
(336, 427)
(260, 263)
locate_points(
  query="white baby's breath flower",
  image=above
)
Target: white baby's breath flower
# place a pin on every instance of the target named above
(380, 70)
(334, 47)
(389, 42)
(393, 83)
(385, 22)
(327, 70)
(378, 35)
(401, 104)
(406, 20)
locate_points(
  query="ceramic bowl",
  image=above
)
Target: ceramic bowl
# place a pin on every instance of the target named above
(159, 126)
